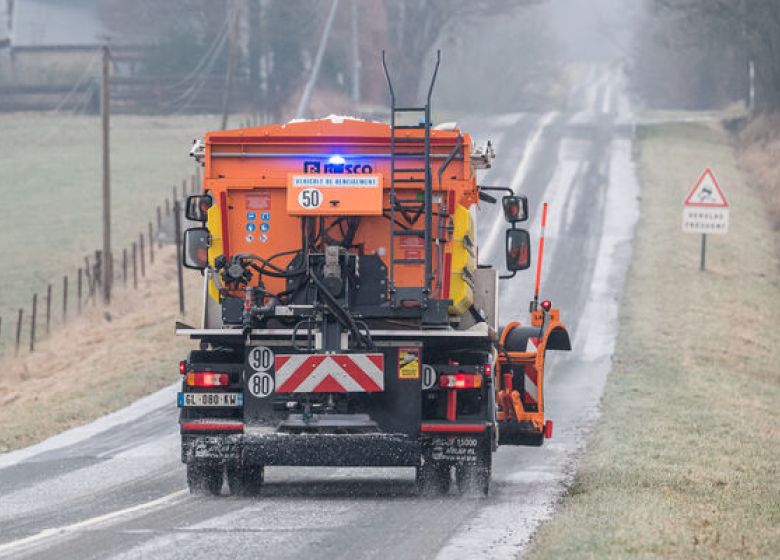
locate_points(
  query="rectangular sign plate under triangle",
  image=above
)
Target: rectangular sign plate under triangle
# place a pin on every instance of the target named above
(705, 209)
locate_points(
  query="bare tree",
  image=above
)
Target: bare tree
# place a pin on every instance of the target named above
(414, 26)
(732, 32)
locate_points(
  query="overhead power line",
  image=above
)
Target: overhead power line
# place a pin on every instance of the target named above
(303, 105)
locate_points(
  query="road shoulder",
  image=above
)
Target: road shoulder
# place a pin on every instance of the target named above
(684, 460)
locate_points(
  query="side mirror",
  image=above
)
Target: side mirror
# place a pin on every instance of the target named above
(518, 249)
(195, 252)
(197, 207)
(515, 208)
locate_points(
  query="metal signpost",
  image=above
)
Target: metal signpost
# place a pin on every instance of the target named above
(705, 210)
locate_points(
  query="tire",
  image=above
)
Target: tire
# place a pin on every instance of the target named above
(245, 481)
(433, 478)
(473, 479)
(205, 478)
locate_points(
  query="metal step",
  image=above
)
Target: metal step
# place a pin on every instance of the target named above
(410, 232)
(412, 203)
(409, 261)
(409, 170)
(408, 109)
(409, 126)
(409, 180)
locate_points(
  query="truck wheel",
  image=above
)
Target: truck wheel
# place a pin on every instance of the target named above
(473, 479)
(245, 481)
(433, 478)
(204, 478)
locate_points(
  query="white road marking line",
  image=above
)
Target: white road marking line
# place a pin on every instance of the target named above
(54, 532)
(138, 410)
(529, 154)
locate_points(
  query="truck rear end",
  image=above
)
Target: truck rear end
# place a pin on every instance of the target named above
(346, 321)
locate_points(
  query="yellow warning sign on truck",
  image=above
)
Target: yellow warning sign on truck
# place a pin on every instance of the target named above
(409, 363)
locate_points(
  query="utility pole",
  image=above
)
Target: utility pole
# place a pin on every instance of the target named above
(355, 55)
(105, 112)
(303, 106)
(232, 42)
(254, 52)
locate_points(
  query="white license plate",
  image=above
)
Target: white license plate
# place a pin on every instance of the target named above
(210, 399)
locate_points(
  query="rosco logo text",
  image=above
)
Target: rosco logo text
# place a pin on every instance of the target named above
(348, 168)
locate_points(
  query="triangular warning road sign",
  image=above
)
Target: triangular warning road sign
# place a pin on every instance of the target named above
(706, 192)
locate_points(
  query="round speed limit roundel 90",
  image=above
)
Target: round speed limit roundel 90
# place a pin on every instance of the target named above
(309, 198)
(260, 358)
(260, 385)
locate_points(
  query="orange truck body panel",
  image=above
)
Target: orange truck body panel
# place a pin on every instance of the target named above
(251, 175)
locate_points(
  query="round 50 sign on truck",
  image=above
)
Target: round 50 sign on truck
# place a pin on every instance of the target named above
(334, 195)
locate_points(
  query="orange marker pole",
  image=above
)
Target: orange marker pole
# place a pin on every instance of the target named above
(539, 259)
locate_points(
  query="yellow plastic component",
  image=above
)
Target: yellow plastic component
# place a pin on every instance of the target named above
(463, 261)
(214, 225)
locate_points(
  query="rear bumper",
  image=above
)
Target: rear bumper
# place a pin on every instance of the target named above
(305, 450)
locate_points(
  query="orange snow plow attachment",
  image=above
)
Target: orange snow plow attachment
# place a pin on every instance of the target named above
(520, 376)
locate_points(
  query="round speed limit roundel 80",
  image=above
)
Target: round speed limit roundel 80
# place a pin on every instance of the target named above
(309, 198)
(260, 358)
(260, 385)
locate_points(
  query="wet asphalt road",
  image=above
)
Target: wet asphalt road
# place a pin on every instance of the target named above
(117, 489)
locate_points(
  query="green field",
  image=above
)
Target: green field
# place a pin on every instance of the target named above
(50, 179)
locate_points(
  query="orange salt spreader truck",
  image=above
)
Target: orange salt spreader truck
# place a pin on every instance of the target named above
(347, 320)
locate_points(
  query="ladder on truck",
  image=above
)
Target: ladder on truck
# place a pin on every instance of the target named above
(411, 209)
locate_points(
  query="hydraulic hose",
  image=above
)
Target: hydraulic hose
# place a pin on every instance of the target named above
(344, 317)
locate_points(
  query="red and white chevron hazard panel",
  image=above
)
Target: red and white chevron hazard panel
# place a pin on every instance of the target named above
(531, 380)
(330, 373)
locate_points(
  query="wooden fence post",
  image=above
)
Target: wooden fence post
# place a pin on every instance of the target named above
(135, 270)
(124, 266)
(167, 207)
(18, 332)
(64, 299)
(48, 309)
(32, 322)
(79, 290)
(88, 273)
(179, 266)
(151, 245)
(141, 249)
(97, 276)
(184, 189)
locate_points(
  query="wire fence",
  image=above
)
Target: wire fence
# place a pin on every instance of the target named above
(69, 295)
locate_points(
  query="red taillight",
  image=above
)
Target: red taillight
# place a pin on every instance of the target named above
(207, 379)
(182, 367)
(546, 305)
(460, 381)
(488, 370)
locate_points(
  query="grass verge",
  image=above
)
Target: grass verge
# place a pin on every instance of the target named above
(685, 460)
(101, 361)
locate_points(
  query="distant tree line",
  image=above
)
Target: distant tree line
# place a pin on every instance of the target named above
(274, 41)
(696, 53)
